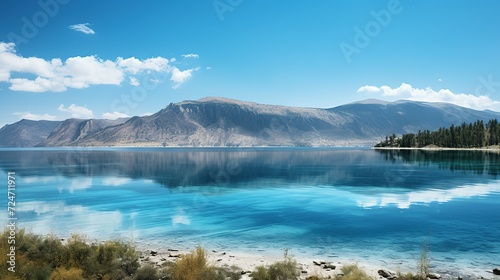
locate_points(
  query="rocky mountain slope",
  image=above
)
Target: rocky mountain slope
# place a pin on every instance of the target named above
(216, 121)
(25, 133)
(72, 130)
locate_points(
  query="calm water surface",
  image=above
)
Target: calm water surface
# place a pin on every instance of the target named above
(356, 204)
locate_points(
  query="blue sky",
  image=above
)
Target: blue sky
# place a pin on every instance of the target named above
(105, 59)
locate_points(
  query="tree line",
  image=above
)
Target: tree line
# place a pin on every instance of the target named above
(472, 135)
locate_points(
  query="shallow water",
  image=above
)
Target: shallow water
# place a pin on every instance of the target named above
(355, 204)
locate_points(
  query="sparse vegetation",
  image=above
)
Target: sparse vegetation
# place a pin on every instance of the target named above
(282, 270)
(147, 272)
(49, 258)
(423, 263)
(195, 266)
(62, 273)
(410, 276)
(190, 266)
(353, 272)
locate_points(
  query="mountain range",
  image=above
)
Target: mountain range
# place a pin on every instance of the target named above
(217, 121)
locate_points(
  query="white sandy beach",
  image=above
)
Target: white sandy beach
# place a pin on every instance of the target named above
(247, 262)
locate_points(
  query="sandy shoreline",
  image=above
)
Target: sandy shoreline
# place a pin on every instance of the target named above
(248, 262)
(308, 265)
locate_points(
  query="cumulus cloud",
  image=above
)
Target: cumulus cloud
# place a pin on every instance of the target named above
(368, 89)
(134, 65)
(179, 77)
(80, 72)
(76, 111)
(134, 82)
(35, 117)
(406, 91)
(190, 55)
(114, 115)
(154, 81)
(82, 27)
(37, 85)
(39, 75)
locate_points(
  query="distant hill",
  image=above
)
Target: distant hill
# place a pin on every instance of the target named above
(72, 130)
(216, 121)
(25, 133)
(379, 118)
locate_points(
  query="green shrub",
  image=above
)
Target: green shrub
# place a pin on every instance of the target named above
(147, 272)
(190, 266)
(282, 270)
(353, 272)
(45, 257)
(194, 266)
(34, 271)
(410, 276)
(232, 273)
(67, 274)
(113, 259)
(78, 252)
(260, 273)
(35, 259)
(423, 263)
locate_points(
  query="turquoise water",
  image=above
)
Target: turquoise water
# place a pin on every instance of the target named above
(356, 204)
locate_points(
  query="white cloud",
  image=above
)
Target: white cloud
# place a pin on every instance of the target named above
(368, 89)
(76, 111)
(154, 81)
(11, 62)
(114, 115)
(80, 72)
(208, 68)
(37, 85)
(440, 80)
(190, 55)
(7, 47)
(406, 91)
(56, 75)
(82, 27)
(134, 81)
(35, 117)
(179, 77)
(134, 65)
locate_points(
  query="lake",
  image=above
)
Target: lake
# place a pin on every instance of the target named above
(356, 204)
